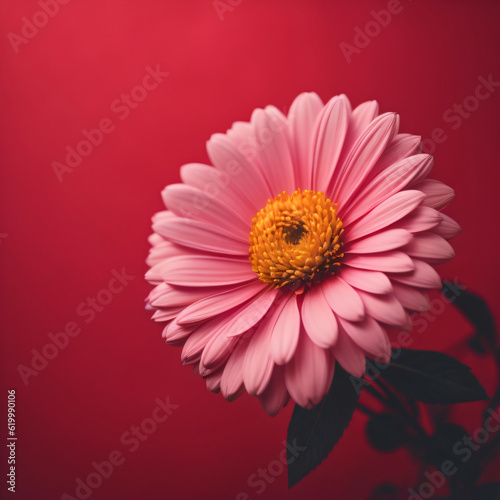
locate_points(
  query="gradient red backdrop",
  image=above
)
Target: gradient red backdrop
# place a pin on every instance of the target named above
(63, 235)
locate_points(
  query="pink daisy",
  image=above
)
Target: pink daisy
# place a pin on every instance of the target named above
(310, 236)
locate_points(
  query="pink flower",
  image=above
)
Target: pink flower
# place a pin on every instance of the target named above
(307, 239)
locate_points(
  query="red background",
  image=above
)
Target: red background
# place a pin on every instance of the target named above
(64, 238)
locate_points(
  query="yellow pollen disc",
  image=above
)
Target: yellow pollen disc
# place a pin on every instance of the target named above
(295, 239)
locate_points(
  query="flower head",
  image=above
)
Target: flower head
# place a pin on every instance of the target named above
(310, 236)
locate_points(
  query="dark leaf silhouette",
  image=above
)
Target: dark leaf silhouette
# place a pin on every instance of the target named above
(477, 312)
(433, 377)
(313, 433)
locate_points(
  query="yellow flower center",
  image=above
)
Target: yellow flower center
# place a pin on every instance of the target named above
(295, 239)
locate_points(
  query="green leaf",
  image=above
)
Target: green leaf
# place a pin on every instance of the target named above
(433, 377)
(316, 431)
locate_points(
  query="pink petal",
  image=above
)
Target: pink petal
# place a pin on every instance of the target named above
(411, 298)
(242, 176)
(198, 340)
(216, 352)
(275, 396)
(359, 120)
(430, 247)
(286, 331)
(387, 183)
(173, 296)
(371, 281)
(343, 299)
(166, 313)
(309, 374)
(231, 384)
(369, 336)
(388, 212)
(385, 308)
(302, 117)
(437, 194)
(244, 141)
(331, 130)
(161, 216)
(238, 134)
(213, 380)
(388, 262)
(318, 319)
(220, 184)
(421, 219)
(161, 251)
(238, 322)
(447, 228)
(187, 201)
(201, 270)
(423, 276)
(258, 363)
(174, 332)
(273, 151)
(363, 156)
(157, 292)
(402, 146)
(389, 239)
(349, 355)
(156, 274)
(252, 312)
(218, 303)
(200, 235)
